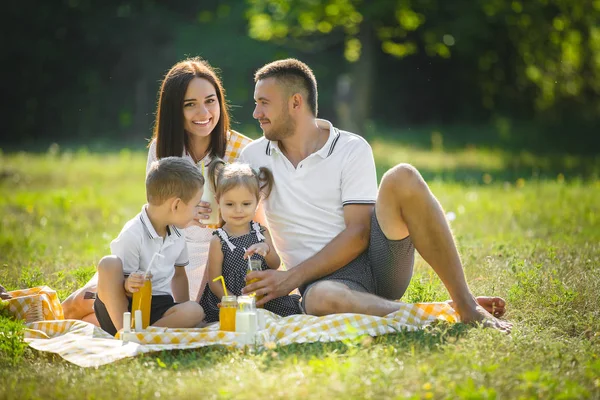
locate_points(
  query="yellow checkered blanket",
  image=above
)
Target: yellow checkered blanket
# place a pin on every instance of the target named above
(87, 345)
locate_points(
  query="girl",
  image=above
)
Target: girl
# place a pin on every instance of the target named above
(238, 189)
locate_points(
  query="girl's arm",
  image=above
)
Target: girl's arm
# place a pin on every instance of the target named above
(265, 249)
(215, 266)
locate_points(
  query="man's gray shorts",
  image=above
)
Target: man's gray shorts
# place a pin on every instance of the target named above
(384, 269)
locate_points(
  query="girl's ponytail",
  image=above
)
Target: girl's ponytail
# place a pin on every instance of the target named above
(265, 181)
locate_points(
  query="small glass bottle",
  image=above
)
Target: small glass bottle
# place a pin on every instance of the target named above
(227, 313)
(246, 320)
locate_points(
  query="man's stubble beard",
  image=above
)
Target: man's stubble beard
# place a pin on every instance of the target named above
(283, 130)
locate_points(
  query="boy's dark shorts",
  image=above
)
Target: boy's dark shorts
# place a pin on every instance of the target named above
(158, 308)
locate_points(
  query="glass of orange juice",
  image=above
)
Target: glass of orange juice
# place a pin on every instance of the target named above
(142, 299)
(227, 313)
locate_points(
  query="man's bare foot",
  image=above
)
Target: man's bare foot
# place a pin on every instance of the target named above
(493, 305)
(479, 316)
(474, 312)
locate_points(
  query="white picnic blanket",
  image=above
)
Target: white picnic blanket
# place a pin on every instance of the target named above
(88, 346)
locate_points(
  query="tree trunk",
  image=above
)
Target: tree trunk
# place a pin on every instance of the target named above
(361, 82)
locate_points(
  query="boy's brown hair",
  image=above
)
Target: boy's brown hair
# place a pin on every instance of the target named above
(172, 177)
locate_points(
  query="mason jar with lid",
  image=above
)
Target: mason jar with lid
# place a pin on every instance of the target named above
(227, 313)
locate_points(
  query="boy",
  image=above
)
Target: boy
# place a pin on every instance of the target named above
(173, 189)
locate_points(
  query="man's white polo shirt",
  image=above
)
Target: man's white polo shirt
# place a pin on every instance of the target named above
(138, 242)
(305, 208)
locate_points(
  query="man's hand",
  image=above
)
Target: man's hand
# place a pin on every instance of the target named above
(3, 294)
(203, 214)
(272, 284)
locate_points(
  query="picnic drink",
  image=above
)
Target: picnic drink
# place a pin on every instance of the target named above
(125, 334)
(254, 265)
(142, 299)
(227, 313)
(245, 318)
(126, 322)
(138, 321)
(208, 195)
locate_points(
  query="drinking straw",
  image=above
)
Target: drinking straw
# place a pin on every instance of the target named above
(152, 263)
(249, 263)
(202, 167)
(222, 283)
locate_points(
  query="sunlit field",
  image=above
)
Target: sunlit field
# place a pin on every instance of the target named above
(527, 227)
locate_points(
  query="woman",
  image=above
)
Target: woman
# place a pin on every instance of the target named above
(192, 121)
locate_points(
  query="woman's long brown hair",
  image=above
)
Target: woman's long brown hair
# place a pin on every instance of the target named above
(169, 133)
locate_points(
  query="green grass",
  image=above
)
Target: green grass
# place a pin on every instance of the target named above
(528, 230)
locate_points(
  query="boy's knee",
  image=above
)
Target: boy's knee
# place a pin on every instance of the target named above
(110, 264)
(326, 298)
(193, 310)
(110, 277)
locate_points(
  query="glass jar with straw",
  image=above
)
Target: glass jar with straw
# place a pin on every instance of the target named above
(142, 299)
(254, 264)
(227, 309)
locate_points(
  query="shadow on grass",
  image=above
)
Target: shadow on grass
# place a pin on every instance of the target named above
(424, 340)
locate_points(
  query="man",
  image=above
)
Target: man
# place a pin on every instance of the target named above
(346, 245)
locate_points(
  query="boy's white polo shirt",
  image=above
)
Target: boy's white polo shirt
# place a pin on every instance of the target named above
(138, 242)
(305, 208)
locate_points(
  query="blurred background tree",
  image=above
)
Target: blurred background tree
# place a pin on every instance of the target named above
(506, 72)
(430, 60)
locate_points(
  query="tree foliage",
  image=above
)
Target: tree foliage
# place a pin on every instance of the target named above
(545, 53)
(89, 70)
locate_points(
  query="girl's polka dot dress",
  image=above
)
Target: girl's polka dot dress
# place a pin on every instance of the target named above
(234, 273)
